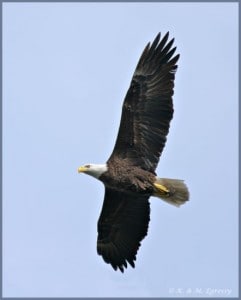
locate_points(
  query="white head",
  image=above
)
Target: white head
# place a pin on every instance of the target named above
(93, 170)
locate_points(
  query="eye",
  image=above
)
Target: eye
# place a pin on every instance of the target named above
(87, 166)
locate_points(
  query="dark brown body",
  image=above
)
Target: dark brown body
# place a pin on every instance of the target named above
(130, 179)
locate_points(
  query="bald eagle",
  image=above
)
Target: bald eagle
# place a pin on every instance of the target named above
(129, 174)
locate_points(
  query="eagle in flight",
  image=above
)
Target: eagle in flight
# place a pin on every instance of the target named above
(129, 174)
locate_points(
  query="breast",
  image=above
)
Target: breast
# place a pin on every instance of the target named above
(129, 179)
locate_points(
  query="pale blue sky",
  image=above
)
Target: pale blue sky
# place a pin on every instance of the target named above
(66, 69)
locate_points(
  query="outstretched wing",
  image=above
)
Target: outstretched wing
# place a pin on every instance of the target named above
(147, 109)
(122, 225)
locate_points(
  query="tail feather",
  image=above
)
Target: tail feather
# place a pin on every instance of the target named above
(172, 191)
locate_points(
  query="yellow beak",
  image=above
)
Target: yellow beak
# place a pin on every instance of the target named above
(82, 169)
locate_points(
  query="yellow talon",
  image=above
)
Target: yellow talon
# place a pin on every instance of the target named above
(161, 188)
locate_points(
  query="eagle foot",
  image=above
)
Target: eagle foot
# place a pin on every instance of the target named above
(161, 189)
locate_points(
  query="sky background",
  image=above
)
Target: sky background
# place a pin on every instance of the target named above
(66, 70)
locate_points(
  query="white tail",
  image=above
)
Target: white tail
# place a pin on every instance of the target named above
(172, 191)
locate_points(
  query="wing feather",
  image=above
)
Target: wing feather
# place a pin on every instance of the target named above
(148, 109)
(122, 225)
